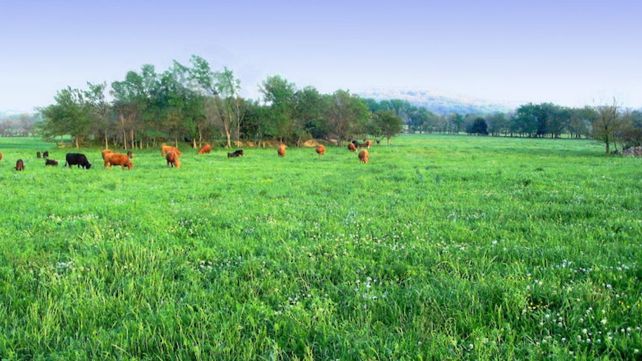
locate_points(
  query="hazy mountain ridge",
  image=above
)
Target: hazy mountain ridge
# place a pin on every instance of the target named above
(438, 104)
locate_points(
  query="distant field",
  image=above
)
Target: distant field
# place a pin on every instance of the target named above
(442, 247)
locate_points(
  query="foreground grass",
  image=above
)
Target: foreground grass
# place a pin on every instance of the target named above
(440, 247)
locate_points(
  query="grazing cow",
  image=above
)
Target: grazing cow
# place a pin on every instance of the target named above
(51, 162)
(363, 156)
(205, 149)
(320, 149)
(352, 147)
(38, 155)
(45, 154)
(168, 148)
(236, 153)
(173, 159)
(77, 159)
(20, 165)
(281, 150)
(118, 159)
(130, 154)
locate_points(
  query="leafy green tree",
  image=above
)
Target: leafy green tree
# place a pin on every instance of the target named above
(347, 115)
(478, 127)
(279, 94)
(389, 123)
(99, 110)
(309, 111)
(69, 115)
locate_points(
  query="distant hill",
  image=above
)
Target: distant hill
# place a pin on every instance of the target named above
(438, 104)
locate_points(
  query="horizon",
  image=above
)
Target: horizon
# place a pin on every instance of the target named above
(568, 53)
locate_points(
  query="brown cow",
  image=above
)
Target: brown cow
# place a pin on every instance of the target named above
(320, 150)
(281, 150)
(168, 148)
(352, 147)
(0, 155)
(173, 159)
(118, 159)
(104, 154)
(367, 143)
(20, 165)
(363, 156)
(205, 149)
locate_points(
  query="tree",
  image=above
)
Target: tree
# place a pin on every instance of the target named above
(389, 123)
(309, 107)
(346, 115)
(99, 110)
(279, 94)
(498, 123)
(69, 115)
(607, 123)
(478, 126)
(223, 85)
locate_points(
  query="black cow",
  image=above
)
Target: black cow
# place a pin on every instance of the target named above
(45, 154)
(77, 159)
(51, 162)
(236, 153)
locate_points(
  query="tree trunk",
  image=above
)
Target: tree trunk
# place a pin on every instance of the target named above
(77, 142)
(228, 137)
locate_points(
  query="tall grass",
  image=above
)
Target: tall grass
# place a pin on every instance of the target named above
(442, 247)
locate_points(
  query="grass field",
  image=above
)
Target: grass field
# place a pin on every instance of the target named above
(442, 247)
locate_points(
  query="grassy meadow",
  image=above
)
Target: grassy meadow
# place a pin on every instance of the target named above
(442, 247)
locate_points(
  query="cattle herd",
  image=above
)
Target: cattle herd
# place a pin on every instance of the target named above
(171, 154)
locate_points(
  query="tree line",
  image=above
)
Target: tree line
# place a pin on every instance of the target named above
(194, 103)
(608, 123)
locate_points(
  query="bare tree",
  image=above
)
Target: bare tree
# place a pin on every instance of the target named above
(606, 125)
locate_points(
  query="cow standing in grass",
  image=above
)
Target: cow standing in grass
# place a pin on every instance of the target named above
(168, 148)
(206, 149)
(77, 159)
(20, 165)
(117, 159)
(320, 149)
(281, 150)
(173, 159)
(105, 153)
(352, 147)
(363, 156)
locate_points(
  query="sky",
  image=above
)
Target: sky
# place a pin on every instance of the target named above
(569, 52)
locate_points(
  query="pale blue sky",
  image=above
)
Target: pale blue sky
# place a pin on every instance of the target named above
(569, 52)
